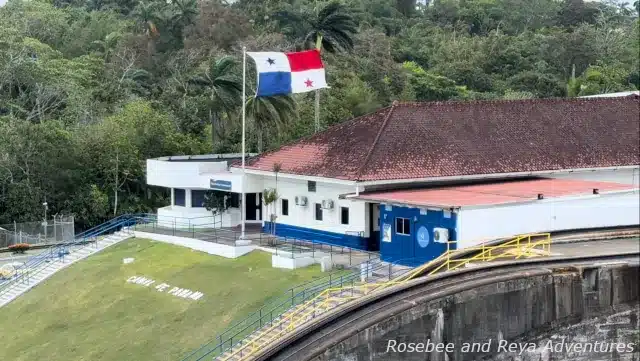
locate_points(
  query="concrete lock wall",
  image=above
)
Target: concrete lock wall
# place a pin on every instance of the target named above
(522, 310)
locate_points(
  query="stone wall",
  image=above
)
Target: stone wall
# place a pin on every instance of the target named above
(528, 310)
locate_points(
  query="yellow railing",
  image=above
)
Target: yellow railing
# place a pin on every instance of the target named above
(518, 247)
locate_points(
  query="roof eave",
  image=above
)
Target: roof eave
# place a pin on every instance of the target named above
(345, 182)
(489, 176)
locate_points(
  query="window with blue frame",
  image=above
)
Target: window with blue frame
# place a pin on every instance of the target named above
(178, 197)
(403, 226)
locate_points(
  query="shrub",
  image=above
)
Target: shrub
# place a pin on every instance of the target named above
(19, 248)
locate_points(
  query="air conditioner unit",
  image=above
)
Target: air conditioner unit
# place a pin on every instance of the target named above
(301, 201)
(440, 235)
(327, 204)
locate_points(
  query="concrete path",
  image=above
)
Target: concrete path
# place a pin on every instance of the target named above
(603, 247)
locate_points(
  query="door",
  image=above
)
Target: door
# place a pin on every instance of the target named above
(250, 207)
(374, 227)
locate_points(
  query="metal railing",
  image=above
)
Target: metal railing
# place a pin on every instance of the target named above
(283, 246)
(368, 272)
(518, 247)
(30, 268)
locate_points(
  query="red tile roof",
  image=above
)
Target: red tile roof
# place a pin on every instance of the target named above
(492, 193)
(443, 139)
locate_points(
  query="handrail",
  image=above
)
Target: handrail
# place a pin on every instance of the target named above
(24, 271)
(265, 316)
(323, 299)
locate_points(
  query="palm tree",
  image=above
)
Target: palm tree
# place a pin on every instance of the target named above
(331, 28)
(223, 88)
(105, 47)
(184, 13)
(270, 112)
(148, 16)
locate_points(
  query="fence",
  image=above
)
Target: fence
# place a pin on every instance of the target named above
(283, 246)
(59, 229)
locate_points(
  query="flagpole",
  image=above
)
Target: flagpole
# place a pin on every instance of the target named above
(244, 111)
(317, 107)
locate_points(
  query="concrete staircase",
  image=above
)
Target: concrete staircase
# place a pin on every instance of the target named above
(48, 268)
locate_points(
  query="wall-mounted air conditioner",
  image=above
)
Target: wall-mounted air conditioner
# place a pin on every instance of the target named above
(440, 235)
(327, 204)
(301, 201)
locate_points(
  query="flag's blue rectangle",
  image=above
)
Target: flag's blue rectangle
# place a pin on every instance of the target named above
(274, 83)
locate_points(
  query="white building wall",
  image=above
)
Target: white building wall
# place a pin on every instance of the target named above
(198, 175)
(305, 216)
(606, 210)
(624, 176)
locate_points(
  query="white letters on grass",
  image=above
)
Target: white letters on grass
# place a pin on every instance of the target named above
(163, 287)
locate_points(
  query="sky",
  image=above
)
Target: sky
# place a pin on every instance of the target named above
(2, 2)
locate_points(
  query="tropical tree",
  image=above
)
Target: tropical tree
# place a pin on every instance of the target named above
(222, 87)
(180, 14)
(330, 28)
(184, 13)
(106, 46)
(147, 16)
(270, 112)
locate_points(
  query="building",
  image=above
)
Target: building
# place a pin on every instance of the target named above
(466, 171)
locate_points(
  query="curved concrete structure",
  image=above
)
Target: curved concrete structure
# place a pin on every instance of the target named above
(521, 303)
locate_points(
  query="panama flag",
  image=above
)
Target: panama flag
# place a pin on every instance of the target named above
(286, 73)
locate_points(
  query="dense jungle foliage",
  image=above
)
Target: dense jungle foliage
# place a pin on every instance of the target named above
(89, 89)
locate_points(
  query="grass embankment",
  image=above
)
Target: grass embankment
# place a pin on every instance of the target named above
(90, 312)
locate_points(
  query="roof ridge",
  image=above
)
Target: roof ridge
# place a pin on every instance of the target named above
(375, 141)
(530, 100)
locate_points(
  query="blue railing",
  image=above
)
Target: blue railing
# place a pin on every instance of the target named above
(271, 312)
(82, 240)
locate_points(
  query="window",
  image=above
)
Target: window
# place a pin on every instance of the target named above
(197, 198)
(178, 197)
(318, 212)
(285, 207)
(403, 226)
(344, 215)
(311, 186)
(234, 200)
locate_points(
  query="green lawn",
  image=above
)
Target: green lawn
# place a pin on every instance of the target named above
(89, 311)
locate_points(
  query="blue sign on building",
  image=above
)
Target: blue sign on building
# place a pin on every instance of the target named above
(423, 236)
(220, 185)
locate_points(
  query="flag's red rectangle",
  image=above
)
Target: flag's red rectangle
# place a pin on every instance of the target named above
(305, 60)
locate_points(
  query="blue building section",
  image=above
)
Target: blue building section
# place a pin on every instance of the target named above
(407, 233)
(308, 234)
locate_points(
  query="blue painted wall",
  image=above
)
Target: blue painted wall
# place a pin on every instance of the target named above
(410, 249)
(308, 234)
